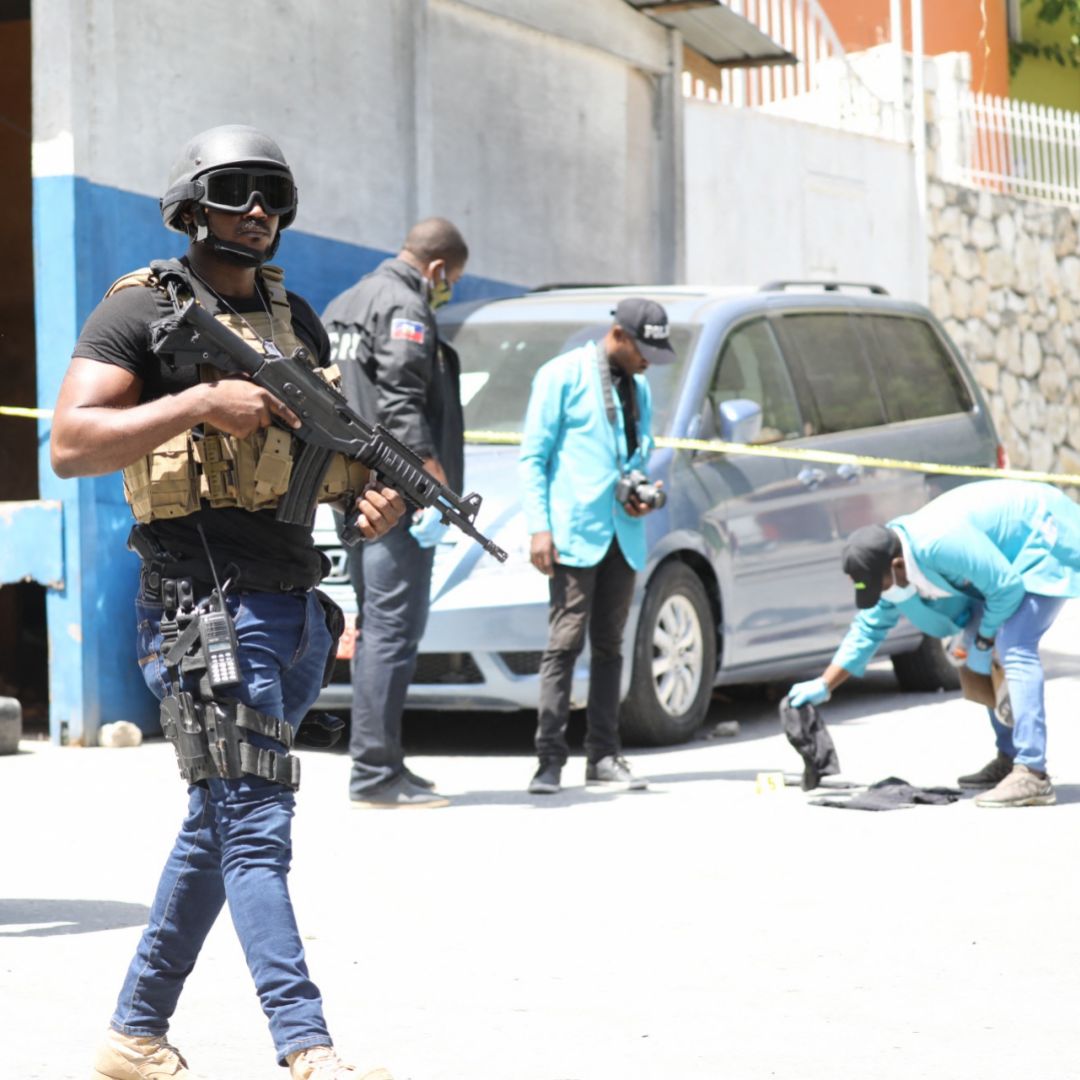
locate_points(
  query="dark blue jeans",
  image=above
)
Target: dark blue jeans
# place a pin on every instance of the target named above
(396, 574)
(235, 843)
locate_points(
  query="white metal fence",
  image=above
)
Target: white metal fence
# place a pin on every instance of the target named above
(1015, 147)
(822, 88)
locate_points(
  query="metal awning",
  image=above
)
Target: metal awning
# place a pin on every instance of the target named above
(718, 33)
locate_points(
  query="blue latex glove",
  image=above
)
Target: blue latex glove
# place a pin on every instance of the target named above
(979, 660)
(427, 528)
(813, 692)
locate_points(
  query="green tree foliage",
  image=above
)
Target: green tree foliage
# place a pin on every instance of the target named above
(1052, 13)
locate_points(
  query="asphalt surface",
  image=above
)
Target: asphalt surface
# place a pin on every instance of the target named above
(700, 929)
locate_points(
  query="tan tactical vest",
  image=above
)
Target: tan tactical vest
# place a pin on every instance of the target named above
(251, 473)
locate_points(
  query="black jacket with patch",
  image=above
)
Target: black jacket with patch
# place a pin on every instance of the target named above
(394, 369)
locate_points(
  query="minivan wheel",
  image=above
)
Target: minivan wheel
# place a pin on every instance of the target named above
(674, 660)
(926, 668)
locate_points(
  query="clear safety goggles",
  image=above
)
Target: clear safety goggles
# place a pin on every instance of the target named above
(235, 191)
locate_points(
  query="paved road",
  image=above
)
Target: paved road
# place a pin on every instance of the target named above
(697, 930)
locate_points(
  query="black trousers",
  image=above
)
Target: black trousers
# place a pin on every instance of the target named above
(597, 599)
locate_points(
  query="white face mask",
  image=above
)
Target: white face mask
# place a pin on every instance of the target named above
(897, 594)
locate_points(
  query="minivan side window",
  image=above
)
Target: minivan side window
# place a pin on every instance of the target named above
(751, 366)
(834, 367)
(918, 377)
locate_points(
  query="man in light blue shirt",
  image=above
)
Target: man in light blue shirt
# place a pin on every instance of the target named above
(999, 557)
(587, 432)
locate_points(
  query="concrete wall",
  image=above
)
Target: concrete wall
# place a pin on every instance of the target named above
(768, 197)
(535, 130)
(548, 132)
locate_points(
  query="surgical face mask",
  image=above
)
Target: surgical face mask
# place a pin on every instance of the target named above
(440, 292)
(897, 594)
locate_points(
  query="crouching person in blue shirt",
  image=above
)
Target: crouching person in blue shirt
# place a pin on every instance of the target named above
(587, 428)
(999, 557)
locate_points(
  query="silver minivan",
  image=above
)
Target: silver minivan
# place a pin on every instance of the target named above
(743, 582)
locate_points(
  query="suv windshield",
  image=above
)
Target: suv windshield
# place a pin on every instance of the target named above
(498, 361)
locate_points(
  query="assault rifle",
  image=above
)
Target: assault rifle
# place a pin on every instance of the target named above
(328, 425)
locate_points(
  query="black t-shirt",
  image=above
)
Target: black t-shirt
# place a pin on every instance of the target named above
(267, 553)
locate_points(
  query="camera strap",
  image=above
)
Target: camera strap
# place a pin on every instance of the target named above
(629, 403)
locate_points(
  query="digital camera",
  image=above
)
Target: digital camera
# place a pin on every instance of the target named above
(636, 484)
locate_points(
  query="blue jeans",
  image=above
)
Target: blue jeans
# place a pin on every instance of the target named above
(1018, 650)
(396, 576)
(234, 844)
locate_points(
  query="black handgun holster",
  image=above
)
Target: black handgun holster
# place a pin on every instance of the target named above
(208, 732)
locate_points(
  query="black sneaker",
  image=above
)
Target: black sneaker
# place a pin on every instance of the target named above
(990, 775)
(548, 779)
(615, 771)
(399, 794)
(418, 781)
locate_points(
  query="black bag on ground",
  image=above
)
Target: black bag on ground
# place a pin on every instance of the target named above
(806, 731)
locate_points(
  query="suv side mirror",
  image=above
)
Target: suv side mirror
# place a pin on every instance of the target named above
(739, 419)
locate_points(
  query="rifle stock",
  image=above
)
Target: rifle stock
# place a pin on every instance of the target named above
(328, 424)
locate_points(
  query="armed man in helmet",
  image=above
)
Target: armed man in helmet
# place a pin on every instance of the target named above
(206, 460)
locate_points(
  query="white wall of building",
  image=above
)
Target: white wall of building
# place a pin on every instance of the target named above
(545, 130)
(768, 197)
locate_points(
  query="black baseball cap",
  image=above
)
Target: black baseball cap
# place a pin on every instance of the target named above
(868, 555)
(647, 323)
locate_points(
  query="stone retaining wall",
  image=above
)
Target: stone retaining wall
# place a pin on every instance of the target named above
(1005, 281)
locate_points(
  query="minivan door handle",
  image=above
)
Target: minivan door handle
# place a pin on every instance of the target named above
(810, 477)
(849, 470)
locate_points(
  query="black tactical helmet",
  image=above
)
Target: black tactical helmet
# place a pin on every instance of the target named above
(225, 168)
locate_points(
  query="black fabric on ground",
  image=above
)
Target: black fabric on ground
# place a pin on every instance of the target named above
(892, 794)
(805, 730)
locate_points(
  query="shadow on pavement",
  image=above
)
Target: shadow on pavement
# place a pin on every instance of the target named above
(48, 918)
(1067, 793)
(565, 798)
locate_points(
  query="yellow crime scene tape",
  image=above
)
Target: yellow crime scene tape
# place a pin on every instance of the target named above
(29, 414)
(793, 453)
(829, 457)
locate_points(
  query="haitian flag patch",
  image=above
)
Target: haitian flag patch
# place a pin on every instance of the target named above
(407, 330)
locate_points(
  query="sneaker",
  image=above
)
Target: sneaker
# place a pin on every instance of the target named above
(399, 794)
(1021, 787)
(138, 1057)
(416, 780)
(989, 775)
(614, 770)
(322, 1063)
(548, 779)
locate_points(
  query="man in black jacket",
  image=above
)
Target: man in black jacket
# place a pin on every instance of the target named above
(395, 371)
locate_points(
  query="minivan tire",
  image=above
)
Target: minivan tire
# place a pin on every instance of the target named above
(659, 713)
(926, 668)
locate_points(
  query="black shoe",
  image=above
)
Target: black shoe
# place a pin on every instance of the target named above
(614, 771)
(399, 794)
(990, 775)
(548, 779)
(418, 781)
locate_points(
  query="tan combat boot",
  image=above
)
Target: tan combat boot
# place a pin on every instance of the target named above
(322, 1063)
(138, 1057)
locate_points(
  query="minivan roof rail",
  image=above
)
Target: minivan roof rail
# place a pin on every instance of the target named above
(827, 286)
(551, 286)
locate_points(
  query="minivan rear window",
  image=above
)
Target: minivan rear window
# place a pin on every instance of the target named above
(917, 376)
(837, 378)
